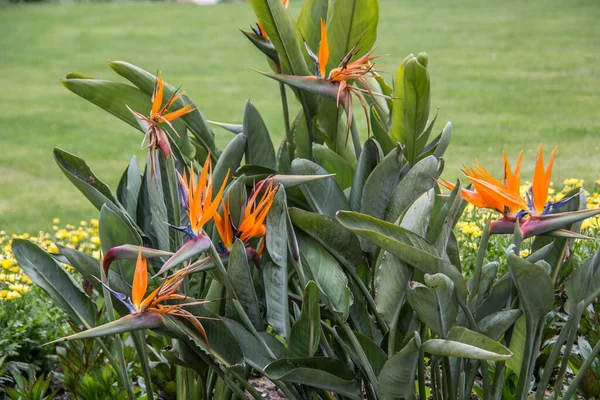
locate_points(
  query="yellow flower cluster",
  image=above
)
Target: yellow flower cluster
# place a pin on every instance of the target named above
(13, 281)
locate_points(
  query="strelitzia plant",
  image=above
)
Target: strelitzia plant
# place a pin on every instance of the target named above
(535, 214)
(360, 290)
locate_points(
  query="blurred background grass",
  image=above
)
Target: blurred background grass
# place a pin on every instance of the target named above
(509, 75)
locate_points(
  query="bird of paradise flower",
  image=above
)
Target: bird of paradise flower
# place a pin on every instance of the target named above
(156, 137)
(252, 221)
(536, 215)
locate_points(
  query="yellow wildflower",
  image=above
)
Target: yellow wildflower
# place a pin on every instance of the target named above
(8, 263)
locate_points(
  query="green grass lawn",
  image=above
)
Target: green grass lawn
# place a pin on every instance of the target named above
(509, 75)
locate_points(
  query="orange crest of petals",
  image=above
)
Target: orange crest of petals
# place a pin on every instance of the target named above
(140, 281)
(323, 50)
(159, 113)
(256, 212)
(541, 181)
(224, 226)
(201, 205)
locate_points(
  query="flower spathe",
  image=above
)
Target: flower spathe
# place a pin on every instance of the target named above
(252, 221)
(534, 214)
(159, 113)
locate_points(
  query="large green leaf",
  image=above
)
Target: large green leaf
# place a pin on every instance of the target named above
(275, 269)
(255, 353)
(404, 244)
(494, 325)
(325, 196)
(411, 105)
(418, 180)
(372, 352)
(392, 275)
(455, 348)
(318, 372)
(334, 164)
(195, 121)
(114, 231)
(157, 208)
(241, 279)
(380, 185)
(80, 174)
(397, 377)
(45, 272)
(230, 160)
(341, 243)
(368, 160)
(351, 23)
(277, 236)
(536, 291)
(328, 274)
(113, 97)
(259, 149)
(129, 187)
(434, 303)
(380, 131)
(306, 332)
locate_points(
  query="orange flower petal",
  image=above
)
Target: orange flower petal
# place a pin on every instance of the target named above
(140, 281)
(323, 50)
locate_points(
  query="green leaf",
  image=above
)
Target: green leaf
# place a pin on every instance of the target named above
(380, 131)
(341, 243)
(494, 325)
(380, 184)
(129, 187)
(195, 121)
(435, 303)
(393, 275)
(41, 268)
(368, 160)
(334, 164)
(276, 293)
(113, 97)
(80, 174)
(259, 149)
(351, 23)
(318, 372)
(373, 353)
(418, 180)
(325, 196)
(407, 246)
(255, 353)
(276, 235)
(276, 267)
(157, 208)
(412, 99)
(536, 291)
(113, 232)
(328, 275)
(397, 377)
(450, 348)
(467, 336)
(306, 332)
(243, 284)
(230, 160)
